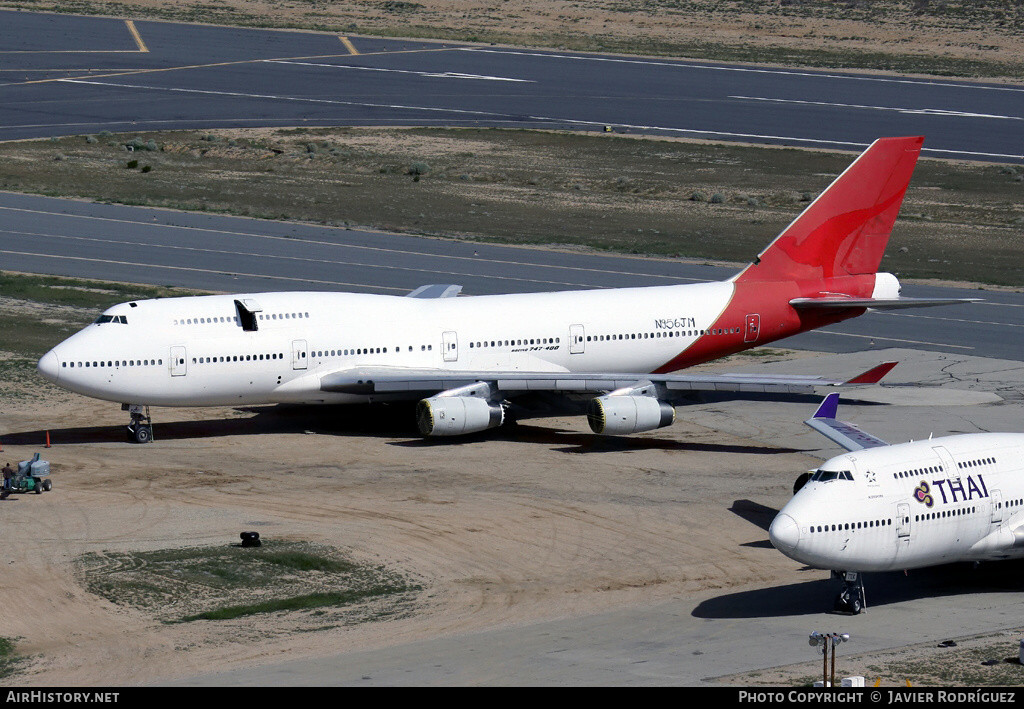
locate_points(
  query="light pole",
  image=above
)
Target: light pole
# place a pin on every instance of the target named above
(826, 642)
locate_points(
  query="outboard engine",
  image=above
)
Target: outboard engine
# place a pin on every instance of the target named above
(617, 414)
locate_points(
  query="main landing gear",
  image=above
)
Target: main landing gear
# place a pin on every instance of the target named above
(140, 429)
(851, 599)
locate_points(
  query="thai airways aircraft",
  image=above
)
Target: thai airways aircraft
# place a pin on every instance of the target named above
(465, 359)
(884, 507)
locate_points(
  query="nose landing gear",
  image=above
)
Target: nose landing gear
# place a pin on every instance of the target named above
(140, 429)
(851, 599)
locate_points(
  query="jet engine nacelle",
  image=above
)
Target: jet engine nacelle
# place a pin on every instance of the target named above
(614, 415)
(455, 415)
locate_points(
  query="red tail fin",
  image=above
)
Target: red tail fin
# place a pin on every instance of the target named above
(845, 230)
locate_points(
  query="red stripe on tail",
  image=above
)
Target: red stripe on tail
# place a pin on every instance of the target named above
(845, 230)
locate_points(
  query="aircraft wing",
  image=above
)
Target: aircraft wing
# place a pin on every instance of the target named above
(436, 290)
(845, 434)
(390, 380)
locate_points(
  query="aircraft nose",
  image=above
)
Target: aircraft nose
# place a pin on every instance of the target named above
(49, 366)
(784, 533)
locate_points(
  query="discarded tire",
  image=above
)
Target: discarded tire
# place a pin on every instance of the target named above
(250, 539)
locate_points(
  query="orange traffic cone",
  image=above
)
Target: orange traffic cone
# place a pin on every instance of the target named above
(47, 439)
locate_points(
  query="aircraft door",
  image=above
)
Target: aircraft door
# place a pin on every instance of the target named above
(299, 359)
(996, 498)
(179, 361)
(753, 325)
(903, 522)
(577, 339)
(450, 346)
(950, 466)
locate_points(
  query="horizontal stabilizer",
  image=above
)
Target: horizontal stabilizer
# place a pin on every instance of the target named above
(845, 434)
(436, 290)
(838, 303)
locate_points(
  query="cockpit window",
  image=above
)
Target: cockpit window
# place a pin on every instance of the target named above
(826, 475)
(122, 319)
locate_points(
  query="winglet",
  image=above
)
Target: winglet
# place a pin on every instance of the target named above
(845, 434)
(873, 375)
(828, 407)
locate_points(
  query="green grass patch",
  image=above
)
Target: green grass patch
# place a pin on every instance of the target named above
(232, 582)
(79, 292)
(28, 336)
(10, 661)
(296, 603)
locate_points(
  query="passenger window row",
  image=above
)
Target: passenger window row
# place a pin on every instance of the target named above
(853, 526)
(515, 343)
(234, 318)
(644, 335)
(956, 512)
(236, 358)
(976, 463)
(929, 470)
(364, 350)
(116, 363)
(314, 353)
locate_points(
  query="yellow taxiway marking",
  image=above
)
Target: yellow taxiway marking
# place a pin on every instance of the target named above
(136, 36)
(348, 45)
(141, 47)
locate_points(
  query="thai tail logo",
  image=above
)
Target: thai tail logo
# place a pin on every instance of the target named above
(921, 494)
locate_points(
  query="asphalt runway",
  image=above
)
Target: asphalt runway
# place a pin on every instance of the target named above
(672, 644)
(65, 75)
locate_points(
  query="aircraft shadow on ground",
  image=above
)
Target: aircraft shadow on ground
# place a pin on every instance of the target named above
(576, 442)
(394, 420)
(817, 596)
(372, 420)
(759, 515)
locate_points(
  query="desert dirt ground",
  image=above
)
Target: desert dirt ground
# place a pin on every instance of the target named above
(543, 522)
(513, 526)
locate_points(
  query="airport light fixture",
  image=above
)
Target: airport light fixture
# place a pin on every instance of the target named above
(827, 643)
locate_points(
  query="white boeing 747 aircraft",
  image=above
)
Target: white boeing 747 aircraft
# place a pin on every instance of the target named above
(466, 358)
(884, 507)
